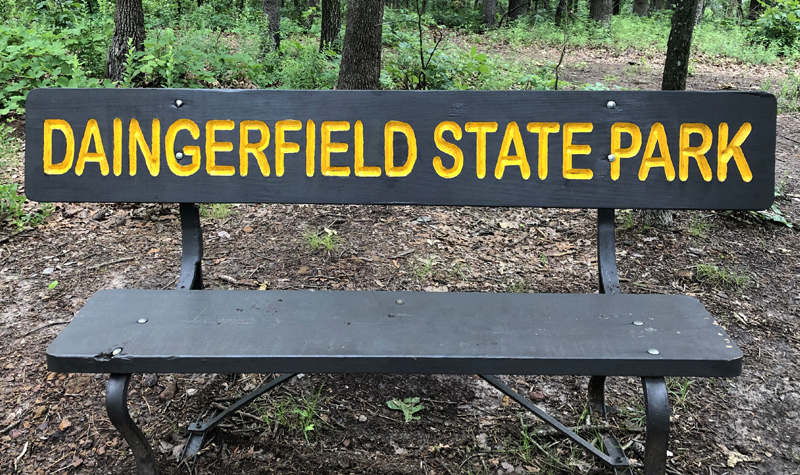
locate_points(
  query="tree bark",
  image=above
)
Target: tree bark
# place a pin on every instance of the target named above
(489, 11)
(640, 7)
(615, 7)
(656, 5)
(679, 46)
(361, 53)
(517, 8)
(271, 12)
(128, 23)
(698, 15)
(600, 10)
(331, 23)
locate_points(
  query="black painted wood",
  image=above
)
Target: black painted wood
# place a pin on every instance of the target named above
(423, 110)
(333, 332)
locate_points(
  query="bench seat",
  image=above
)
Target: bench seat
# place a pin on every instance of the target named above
(251, 331)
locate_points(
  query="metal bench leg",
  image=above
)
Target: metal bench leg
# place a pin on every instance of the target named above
(597, 396)
(656, 404)
(117, 407)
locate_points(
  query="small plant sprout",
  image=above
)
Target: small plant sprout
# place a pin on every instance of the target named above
(409, 406)
(52, 285)
(328, 240)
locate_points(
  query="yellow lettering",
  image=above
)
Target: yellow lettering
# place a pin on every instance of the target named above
(360, 168)
(282, 147)
(726, 151)
(617, 150)
(697, 152)
(310, 145)
(388, 148)
(448, 148)
(480, 129)
(92, 134)
(190, 150)
(63, 126)
(543, 129)
(571, 149)
(212, 147)
(657, 136)
(247, 148)
(326, 147)
(512, 135)
(117, 147)
(136, 140)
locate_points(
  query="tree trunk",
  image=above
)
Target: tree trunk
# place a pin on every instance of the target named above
(600, 10)
(698, 15)
(128, 23)
(489, 11)
(676, 68)
(679, 46)
(361, 54)
(331, 23)
(640, 7)
(564, 8)
(271, 12)
(656, 5)
(615, 7)
(517, 8)
(756, 9)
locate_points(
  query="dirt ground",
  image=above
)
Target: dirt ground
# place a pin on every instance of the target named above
(56, 423)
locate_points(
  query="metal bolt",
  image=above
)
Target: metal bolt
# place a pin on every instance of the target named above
(653, 351)
(609, 104)
(179, 156)
(116, 351)
(178, 103)
(141, 320)
(611, 157)
(638, 323)
(399, 302)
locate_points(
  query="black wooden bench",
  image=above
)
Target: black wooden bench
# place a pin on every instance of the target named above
(602, 150)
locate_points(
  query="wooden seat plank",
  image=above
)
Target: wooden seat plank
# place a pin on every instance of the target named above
(396, 332)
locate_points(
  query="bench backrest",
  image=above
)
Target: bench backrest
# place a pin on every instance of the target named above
(607, 149)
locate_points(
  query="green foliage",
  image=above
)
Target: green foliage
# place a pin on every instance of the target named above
(699, 227)
(787, 91)
(409, 406)
(38, 57)
(216, 210)
(302, 66)
(52, 285)
(328, 240)
(11, 206)
(720, 277)
(9, 145)
(439, 68)
(779, 25)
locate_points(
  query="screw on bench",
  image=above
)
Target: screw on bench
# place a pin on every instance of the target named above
(609, 104)
(116, 351)
(399, 302)
(611, 157)
(178, 103)
(653, 351)
(141, 320)
(179, 156)
(638, 323)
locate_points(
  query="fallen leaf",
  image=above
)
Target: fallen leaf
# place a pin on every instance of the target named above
(248, 229)
(39, 411)
(169, 392)
(65, 424)
(303, 270)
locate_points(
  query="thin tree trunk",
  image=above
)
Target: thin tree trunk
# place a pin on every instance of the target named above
(656, 5)
(616, 6)
(271, 11)
(640, 7)
(489, 11)
(517, 8)
(128, 23)
(756, 9)
(331, 23)
(698, 16)
(361, 53)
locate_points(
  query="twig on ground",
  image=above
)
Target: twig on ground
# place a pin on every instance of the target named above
(111, 263)
(51, 324)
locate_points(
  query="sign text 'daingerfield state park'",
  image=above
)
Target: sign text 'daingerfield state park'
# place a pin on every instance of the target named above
(613, 149)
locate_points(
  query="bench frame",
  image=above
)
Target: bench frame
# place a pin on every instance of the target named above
(191, 278)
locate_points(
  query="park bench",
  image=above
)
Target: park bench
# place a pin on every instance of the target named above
(600, 150)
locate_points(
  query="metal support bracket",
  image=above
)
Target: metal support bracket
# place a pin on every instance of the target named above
(597, 396)
(191, 277)
(117, 408)
(656, 403)
(606, 252)
(199, 430)
(615, 459)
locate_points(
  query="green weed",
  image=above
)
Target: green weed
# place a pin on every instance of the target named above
(424, 269)
(678, 389)
(9, 145)
(517, 285)
(11, 206)
(216, 210)
(409, 406)
(698, 226)
(328, 240)
(720, 277)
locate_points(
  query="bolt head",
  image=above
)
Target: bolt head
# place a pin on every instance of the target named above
(116, 351)
(178, 103)
(179, 156)
(141, 320)
(611, 105)
(611, 157)
(399, 302)
(653, 351)
(638, 323)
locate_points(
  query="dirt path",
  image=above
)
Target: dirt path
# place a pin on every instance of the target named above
(56, 423)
